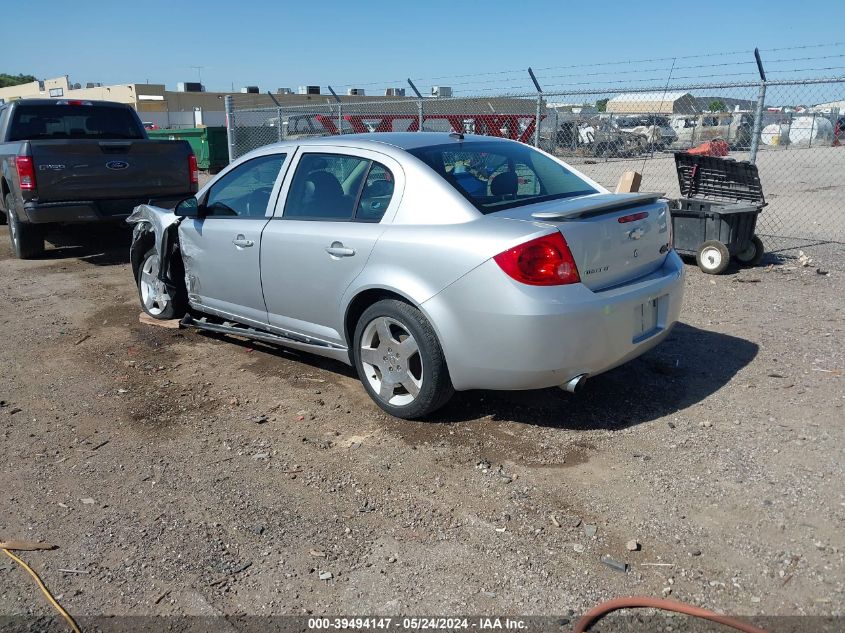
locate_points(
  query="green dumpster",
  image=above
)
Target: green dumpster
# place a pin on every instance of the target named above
(210, 144)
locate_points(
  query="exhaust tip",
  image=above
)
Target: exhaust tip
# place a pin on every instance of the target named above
(574, 385)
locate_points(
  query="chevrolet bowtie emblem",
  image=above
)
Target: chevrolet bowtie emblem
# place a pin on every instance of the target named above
(635, 234)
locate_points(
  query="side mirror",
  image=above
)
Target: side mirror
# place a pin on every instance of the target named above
(188, 208)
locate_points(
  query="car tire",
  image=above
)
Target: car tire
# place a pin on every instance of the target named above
(753, 254)
(27, 239)
(407, 375)
(713, 257)
(159, 300)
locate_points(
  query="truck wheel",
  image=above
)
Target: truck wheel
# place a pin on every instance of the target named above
(27, 239)
(713, 257)
(400, 361)
(752, 254)
(157, 299)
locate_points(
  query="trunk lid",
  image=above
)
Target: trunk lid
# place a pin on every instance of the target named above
(90, 169)
(614, 238)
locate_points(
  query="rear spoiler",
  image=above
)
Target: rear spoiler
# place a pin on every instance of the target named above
(597, 205)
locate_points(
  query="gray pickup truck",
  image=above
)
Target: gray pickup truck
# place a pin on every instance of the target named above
(70, 161)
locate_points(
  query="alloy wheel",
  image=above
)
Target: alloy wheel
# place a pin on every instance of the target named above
(392, 361)
(153, 292)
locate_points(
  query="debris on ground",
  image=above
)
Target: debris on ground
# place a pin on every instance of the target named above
(169, 324)
(614, 564)
(26, 546)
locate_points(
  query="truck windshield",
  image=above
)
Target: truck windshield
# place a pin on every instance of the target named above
(497, 176)
(61, 121)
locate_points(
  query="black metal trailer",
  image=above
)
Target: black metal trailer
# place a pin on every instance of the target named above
(716, 215)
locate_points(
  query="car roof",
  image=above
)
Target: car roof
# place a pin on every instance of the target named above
(401, 140)
(393, 143)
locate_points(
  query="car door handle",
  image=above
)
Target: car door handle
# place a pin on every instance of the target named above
(337, 249)
(241, 242)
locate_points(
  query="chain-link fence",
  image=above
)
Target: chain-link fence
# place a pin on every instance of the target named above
(790, 129)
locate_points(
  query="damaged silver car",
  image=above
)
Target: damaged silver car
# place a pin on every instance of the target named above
(430, 262)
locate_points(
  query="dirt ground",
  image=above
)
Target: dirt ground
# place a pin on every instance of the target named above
(180, 473)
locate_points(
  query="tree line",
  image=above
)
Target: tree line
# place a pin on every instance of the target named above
(14, 80)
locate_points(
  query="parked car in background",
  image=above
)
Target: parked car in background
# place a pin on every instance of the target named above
(149, 125)
(592, 136)
(654, 131)
(430, 262)
(733, 128)
(69, 161)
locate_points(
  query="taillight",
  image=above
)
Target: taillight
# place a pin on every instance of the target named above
(26, 172)
(544, 261)
(193, 170)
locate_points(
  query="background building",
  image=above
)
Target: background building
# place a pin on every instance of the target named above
(185, 107)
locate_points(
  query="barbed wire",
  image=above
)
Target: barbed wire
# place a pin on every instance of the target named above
(501, 74)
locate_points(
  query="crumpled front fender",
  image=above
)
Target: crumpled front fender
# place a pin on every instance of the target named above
(149, 218)
(164, 224)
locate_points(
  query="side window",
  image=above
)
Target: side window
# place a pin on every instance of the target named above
(245, 191)
(326, 187)
(376, 195)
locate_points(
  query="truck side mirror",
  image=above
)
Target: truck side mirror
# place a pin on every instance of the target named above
(188, 208)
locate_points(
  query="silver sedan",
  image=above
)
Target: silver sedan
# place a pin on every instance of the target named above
(430, 262)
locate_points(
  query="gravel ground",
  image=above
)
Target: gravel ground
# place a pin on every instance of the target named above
(181, 473)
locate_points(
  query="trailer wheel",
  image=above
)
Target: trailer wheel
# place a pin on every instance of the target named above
(752, 254)
(713, 257)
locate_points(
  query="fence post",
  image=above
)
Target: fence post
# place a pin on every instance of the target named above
(419, 105)
(230, 125)
(758, 111)
(339, 111)
(758, 123)
(339, 117)
(812, 127)
(280, 134)
(539, 106)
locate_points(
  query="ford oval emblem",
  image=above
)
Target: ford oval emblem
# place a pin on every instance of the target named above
(117, 164)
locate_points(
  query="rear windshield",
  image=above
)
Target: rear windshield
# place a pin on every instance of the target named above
(497, 176)
(45, 122)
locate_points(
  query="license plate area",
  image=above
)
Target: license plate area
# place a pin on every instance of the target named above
(647, 318)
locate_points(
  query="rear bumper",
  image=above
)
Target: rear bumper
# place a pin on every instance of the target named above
(499, 334)
(84, 211)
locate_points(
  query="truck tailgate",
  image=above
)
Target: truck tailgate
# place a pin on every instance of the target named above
(87, 169)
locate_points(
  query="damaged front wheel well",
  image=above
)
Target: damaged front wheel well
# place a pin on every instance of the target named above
(142, 241)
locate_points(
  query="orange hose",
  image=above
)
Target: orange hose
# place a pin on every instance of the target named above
(644, 602)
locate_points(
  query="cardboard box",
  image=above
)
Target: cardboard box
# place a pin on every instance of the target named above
(629, 182)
